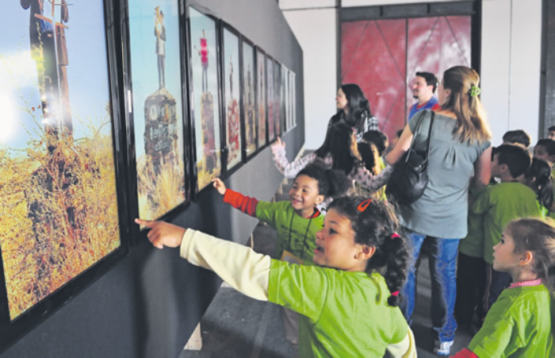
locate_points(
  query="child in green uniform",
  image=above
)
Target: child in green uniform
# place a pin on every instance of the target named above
(348, 308)
(545, 150)
(538, 178)
(519, 324)
(296, 220)
(501, 203)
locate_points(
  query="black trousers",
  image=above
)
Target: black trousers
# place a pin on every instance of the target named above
(471, 284)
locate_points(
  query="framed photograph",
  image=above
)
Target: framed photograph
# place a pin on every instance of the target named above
(62, 187)
(261, 97)
(293, 100)
(159, 179)
(277, 98)
(248, 99)
(270, 88)
(205, 95)
(285, 98)
(290, 85)
(231, 92)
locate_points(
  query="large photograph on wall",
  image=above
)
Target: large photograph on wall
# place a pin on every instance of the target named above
(261, 96)
(232, 96)
(248, 98)
(157, 106)
(277, 98)
(59, 176)
(270, 98)
(293, 84)
(205, 108)
(285, 98)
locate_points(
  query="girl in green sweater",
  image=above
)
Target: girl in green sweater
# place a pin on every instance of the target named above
(296, 221)
(347, 303)
(519, 324)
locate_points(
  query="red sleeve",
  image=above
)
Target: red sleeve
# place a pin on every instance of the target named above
(465, 353)
(436, 107)
(239, 201)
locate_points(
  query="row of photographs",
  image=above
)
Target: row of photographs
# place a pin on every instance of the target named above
(128, 110)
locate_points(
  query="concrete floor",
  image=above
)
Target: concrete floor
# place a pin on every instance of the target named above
(235, 326)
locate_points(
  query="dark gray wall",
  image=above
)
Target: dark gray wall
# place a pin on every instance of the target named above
(148, 305)
(547, 79)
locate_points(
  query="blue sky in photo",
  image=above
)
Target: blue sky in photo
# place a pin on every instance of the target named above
(144, 61)
(231, 51)
(87, 71)
(200, 22)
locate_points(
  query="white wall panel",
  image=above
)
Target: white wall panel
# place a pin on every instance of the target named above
(305, 4)
(496, 49)
(316, 32)
(353, 3)
(526, 27)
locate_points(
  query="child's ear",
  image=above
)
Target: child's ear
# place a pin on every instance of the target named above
(526, 258)
(365, 252)
(320, 199)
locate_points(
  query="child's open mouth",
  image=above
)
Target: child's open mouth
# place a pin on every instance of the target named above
(319, 249)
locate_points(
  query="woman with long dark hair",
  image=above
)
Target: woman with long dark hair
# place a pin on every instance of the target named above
(353, 109)
(459, 146)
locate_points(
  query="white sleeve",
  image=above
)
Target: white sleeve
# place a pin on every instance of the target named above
(290, 170)
(404, 349)
(238, 265)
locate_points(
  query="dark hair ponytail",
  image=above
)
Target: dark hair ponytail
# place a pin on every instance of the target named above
(375, 224)
(331, 183)
(394, 255)
(540, 172)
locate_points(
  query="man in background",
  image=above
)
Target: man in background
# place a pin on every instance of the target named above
(423, 89)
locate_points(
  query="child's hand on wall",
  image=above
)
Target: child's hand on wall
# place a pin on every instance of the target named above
(278, 143)
(219, 185)
(163, 233)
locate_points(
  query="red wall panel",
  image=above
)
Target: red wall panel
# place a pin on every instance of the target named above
(382, 57)
(377, 64)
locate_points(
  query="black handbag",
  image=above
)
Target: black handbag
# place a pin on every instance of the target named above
(409, 178)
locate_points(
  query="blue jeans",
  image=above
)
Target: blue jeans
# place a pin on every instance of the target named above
(443, 266)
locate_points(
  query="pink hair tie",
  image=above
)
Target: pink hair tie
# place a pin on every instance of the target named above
(362, 206)
(396, 293)
(395, 236)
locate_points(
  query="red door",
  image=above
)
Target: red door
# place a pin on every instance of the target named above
(382, 56)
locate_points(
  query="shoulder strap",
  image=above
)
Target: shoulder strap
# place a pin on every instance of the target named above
(430, 134)
(420, 120)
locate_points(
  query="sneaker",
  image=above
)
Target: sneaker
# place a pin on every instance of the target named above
(443, 348)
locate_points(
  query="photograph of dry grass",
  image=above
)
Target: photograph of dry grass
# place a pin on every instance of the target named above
(58, 214)
(58, 201)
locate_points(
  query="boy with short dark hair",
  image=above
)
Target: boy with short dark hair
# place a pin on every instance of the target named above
(517, 137)
(499, 204)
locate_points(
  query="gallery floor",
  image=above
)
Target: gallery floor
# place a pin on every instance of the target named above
(235, 326)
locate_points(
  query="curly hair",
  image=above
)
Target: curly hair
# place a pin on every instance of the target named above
(331, 183)
(377, 226)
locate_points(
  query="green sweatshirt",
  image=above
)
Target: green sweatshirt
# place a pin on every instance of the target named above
(500, 204)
